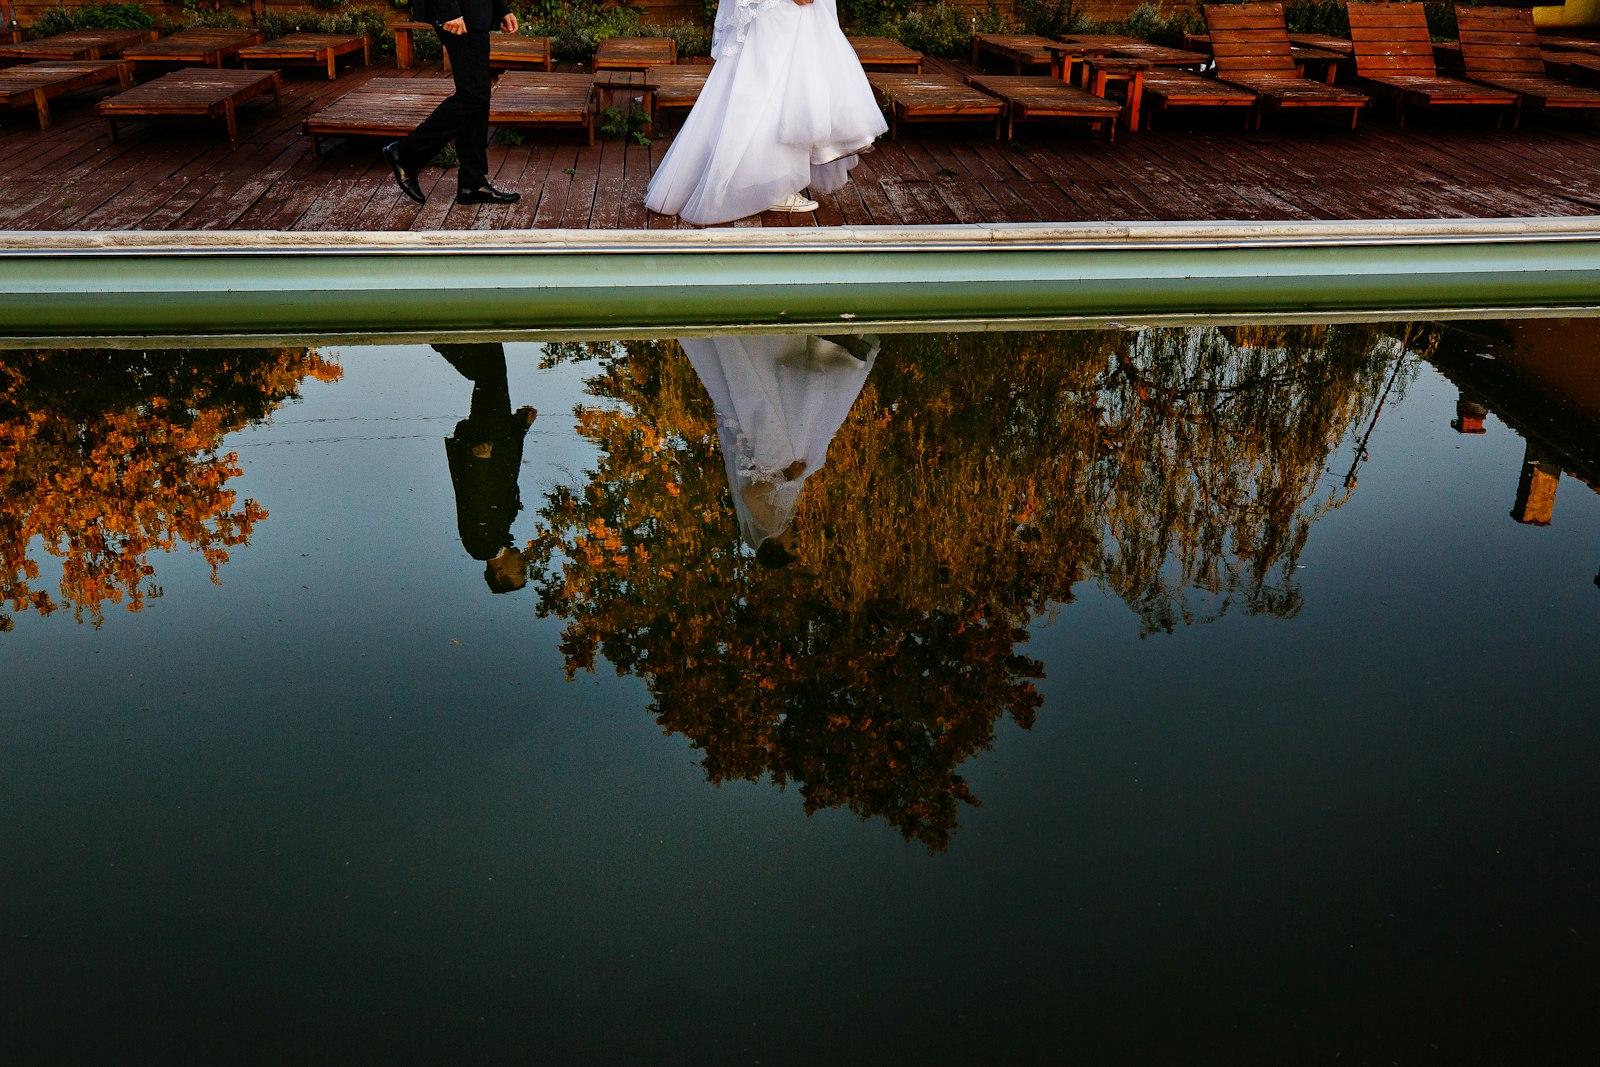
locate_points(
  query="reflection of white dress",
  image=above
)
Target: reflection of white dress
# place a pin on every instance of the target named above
(779, 398)
(786, 107)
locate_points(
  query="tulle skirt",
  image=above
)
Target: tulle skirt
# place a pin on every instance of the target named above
(789, 110)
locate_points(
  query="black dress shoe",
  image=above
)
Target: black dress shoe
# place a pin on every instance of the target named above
(406, 180)
(486, 194)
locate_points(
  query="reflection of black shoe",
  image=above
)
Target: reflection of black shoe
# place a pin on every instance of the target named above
(486, 194)
(406, 180)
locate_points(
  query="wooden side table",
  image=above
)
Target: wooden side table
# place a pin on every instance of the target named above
(629, 85)
(1103, 71)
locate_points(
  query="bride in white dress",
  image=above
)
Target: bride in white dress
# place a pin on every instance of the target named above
(779, 398)
(785, 107)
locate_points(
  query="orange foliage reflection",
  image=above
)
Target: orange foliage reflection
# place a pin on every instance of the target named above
(109, 456)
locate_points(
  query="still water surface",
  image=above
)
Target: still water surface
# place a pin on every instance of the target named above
(1216, 694)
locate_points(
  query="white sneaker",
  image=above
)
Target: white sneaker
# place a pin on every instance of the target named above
(794, 202)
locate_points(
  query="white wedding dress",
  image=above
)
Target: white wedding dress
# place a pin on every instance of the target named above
(780, 398)
(786, 107)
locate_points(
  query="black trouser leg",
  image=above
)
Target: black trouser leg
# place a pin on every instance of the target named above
(462, 117)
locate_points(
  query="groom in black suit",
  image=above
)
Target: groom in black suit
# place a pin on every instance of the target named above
(463, 27)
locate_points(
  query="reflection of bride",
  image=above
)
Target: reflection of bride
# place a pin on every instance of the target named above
(780, 398)
(786, 106)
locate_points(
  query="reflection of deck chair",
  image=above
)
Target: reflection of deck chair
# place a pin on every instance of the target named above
(930, 98)
(1394, 58)
(1032, 97)
(1251, 47)
(1500, 47)
(36, 84)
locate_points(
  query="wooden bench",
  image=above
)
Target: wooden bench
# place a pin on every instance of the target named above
(308, 49)
(1251, 47)
(924, 98)
(393, 107)
(1021, 50)
(1500, 47)
(1169, 89)
(1030, 97)
(881, 53)
(635, 53)
(526, 98)
(1394, 59)
(194, 92)
(13, 34)
(678, 86)
(1102, 72)
(197, 47)
(36, 84)
(79, 44)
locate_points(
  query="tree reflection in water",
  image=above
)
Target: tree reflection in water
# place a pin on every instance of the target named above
(975, 481)
(107, 456)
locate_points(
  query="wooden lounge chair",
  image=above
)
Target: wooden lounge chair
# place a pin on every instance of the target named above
(1031, 97)
(1251, 47)
(881, 53)
(1500, 47)
(534, 98)
(635, 53)
(194, 92)
(678, 86)
(405, 45)
(308, 49)
(194, 48)
(930, 98)
(1394, 58)
(1022, 50)
(516, 51)
(393, 107)
(36, 84)
(1171, 90)
(79, 44)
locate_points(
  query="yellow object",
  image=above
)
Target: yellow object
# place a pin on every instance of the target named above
(1572, 14)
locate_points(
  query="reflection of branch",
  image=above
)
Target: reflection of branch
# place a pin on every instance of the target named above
(1361, 446)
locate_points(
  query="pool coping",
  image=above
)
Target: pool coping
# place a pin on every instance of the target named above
(193, 284)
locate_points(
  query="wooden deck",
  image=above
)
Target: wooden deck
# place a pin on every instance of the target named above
(161, 176)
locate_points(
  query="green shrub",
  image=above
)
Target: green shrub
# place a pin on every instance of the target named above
(93, 17)
(1317, 16)
(367, 20)
(1047, 18)
(940, 30)
(692, 38)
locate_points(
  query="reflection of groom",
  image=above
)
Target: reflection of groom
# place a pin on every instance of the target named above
(485, 455)
(463, 27)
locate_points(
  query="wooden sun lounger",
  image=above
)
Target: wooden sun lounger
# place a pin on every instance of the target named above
(79, 44)
(13, 34)
(36, 84)
(1500, 47)
(1021, 50)
(405, 53)
(1031, 97)
(393, 107)
(308, 49)
(635, 53)
(881, 53)
(1251, 47)
(515, 51)
(1394, 58)
(194, 48)
(537, 98)
(1170, 90)
(925, 98)
(678, 86)
(194, 92)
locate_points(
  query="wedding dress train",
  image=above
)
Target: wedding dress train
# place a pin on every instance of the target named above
(786, 107)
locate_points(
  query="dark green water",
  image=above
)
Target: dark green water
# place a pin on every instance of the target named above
(1170, 695)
